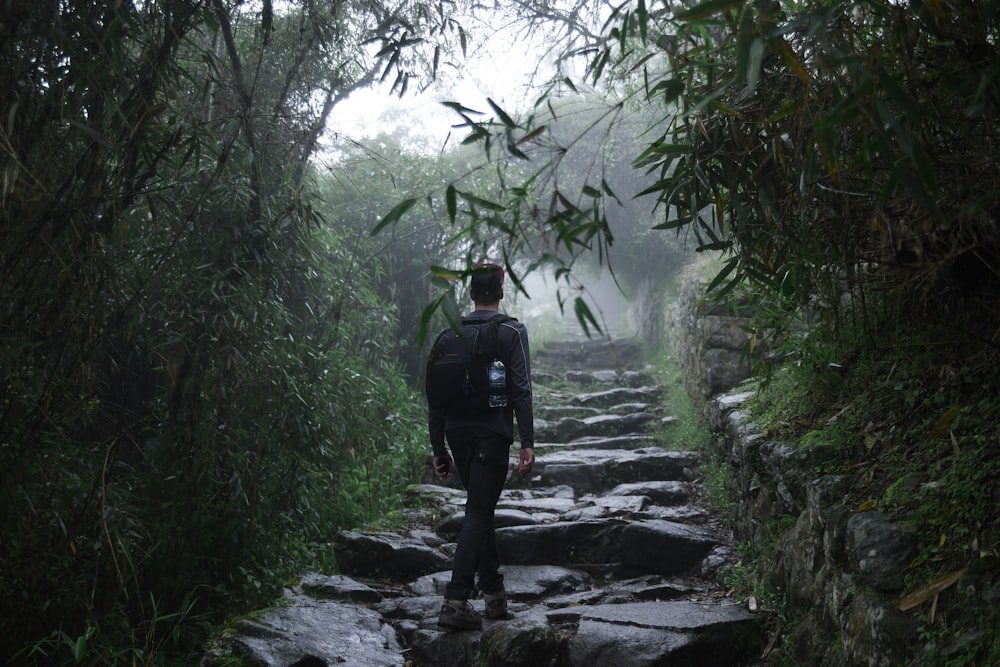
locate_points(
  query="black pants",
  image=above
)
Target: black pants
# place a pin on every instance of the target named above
(481, 458)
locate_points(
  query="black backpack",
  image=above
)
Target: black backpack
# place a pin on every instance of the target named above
(457, 369)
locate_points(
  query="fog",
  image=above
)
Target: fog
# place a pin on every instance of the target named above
(609, 304)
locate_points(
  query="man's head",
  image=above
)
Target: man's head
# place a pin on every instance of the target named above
(486, 286)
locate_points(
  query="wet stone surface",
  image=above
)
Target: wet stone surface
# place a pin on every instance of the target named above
(605, 548)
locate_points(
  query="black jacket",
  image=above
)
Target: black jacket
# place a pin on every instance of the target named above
(514, 353)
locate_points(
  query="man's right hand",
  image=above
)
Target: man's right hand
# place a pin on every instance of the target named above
(443, 465)
(526, 460)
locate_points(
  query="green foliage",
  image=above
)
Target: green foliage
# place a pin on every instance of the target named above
(199, 384)
(819, 146)
(555, 196)
(364, 181)
(830, 151)
(689, 431)
(914, 423)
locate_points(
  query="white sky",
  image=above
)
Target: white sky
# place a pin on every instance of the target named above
(497, 69)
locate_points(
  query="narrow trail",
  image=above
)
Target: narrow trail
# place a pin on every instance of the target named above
(608, 552)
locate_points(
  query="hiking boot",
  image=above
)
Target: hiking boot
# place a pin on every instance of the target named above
(496, 606)
(459, 615)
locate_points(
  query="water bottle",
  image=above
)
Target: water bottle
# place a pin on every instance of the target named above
(498, 384)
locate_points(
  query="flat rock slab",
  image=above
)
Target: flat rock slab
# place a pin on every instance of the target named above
(591, 471)
(662, 633)
(617, 396)
(561, 543)
(435, 494)
(338, 587)
(535, 505)
(659, 491)
(559, 491)
(607, 376)
(533, 582)
(669, 461)
(373, 553)
(555, 412)
(616, 503)
(310, 632)
(524, 583)
(632, 634)
(607, 425)
(664, 547)
(653, 546)
(503, 517)
(628, 441)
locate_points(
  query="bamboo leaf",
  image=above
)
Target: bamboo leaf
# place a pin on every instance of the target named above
(443, 273)
(945, 421)
(515, 151)
(668, 90)
(723, 274)
(642, 61)
(609, 192)
(643, 16)
(451, 203)
(393, 216)
(754, 63)
(504, 118)
(532, 135)
(482, 203)
(425, 318)
(931, 590)
(784, 49)
(463, 110)
(584, 316)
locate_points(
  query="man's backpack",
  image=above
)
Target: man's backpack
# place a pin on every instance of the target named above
(457, 369)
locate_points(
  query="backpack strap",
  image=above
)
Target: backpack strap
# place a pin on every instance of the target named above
(496, 318)
(494, 321)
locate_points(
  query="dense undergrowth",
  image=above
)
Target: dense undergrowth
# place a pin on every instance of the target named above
(916, 423)
(914, 415)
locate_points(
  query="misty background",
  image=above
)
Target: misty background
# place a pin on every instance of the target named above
(227, 229)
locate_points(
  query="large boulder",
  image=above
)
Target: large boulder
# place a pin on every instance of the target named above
(881, 549)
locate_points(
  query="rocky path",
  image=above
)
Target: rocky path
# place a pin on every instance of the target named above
(608, 553)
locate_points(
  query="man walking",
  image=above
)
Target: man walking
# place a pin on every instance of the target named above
(480, 447)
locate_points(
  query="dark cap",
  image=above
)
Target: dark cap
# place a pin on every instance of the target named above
(486, 283)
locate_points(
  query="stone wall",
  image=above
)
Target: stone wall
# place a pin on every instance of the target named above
(708, 340)
(839, 570)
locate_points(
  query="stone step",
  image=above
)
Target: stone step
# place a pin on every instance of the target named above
(606, 551)
(637, 547)
(606, 425)
(649, 633)
(629, 441)
(618, 395)
(596, 470)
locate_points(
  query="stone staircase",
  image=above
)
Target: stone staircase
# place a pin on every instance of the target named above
(609, 557)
